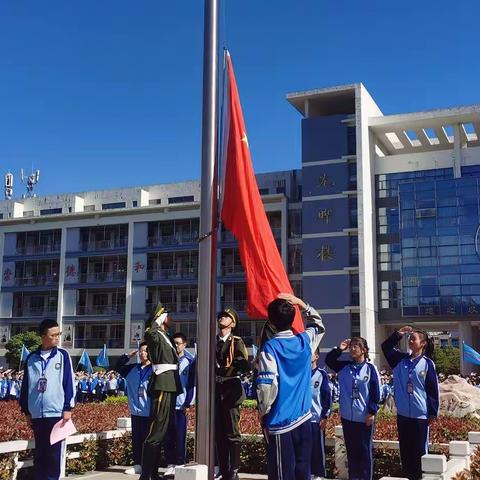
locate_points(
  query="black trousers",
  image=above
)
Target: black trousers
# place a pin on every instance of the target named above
(318, 450)
(46, 458)
(229, 395)
(140, 429)
(162, 408)
(176, 439)
(289, 454)
(359, 445)
(413, 440)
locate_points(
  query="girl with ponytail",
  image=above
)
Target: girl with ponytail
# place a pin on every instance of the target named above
(359, 398)
(416, 395)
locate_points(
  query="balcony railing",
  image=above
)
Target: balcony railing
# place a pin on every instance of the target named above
(114, 309)
(172, 273)
(228, 236)
(38, 249)
(177, 239)
(98, 342)
(229, 270)
(175, 307)
(101, 277)
(36, 280)
(104, 244)
(239, 305)
(24, 311)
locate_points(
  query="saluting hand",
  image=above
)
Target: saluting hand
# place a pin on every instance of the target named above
(289, 297)
(132, 354)
(344, 344)
(405, 329)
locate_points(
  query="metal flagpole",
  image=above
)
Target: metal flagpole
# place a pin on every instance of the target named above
(207, 277)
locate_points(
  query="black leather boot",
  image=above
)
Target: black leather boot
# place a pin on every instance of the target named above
(149, 461)
(234, 460)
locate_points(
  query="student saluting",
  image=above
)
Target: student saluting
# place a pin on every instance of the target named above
(416, 395)
(359, 398)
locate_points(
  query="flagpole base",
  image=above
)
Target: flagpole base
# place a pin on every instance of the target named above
(191, 472)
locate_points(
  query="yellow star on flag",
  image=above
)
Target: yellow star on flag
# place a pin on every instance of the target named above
(245, 139)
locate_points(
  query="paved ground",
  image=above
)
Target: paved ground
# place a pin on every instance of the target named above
(116, 473)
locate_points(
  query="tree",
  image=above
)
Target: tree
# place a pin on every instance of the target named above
(447, 360)
(14, 346)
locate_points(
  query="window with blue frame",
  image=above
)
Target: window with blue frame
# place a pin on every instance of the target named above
(439, 225)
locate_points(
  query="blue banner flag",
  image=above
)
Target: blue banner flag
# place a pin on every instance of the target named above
(25, 353)
(85, 361)
(470, 354)
(102, 358)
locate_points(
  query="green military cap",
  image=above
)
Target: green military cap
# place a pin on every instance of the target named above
(229, 312)
(156, 312)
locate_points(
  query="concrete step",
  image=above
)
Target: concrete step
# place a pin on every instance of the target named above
(116, 473)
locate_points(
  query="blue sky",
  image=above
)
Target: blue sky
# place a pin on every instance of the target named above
(104, 94)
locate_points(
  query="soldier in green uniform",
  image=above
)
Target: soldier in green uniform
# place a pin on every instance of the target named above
(163, 388)
(231, 361)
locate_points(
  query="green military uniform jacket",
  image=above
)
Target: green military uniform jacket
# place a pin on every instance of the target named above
(228, 365)
(161, 350)
(231, 361)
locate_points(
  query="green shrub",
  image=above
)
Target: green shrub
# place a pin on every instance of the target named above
(249, 404)
(116, 400)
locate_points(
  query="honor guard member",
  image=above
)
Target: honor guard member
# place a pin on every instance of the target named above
(231, 362)
(47, 396)
(417, 397)
(163, 388)
(137, 377)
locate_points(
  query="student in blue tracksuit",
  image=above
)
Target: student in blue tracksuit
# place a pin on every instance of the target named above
(321, 405)
(283, 388)
(47, 396)
(417, 396)
(176, 439)
(137, 376)
(3, 386)
(359, 382)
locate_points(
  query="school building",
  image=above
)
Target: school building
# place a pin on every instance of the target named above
(378, 227)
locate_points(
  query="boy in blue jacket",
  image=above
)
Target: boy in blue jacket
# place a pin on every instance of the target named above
(47, 396)
(321, 405)
(137, 376)
(283, 388)
(417, 396)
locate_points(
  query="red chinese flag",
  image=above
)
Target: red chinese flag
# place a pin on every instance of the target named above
(244, 215)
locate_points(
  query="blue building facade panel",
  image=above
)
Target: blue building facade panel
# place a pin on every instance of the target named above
(325, 179)
(322, 254)
(337, 328)
(324, 138)
(327, 291)
(324, 216)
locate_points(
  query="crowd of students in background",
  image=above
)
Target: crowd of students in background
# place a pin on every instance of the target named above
(96, 387)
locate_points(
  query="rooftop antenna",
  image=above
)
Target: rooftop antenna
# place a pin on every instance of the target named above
(30, 182)
(8, 186)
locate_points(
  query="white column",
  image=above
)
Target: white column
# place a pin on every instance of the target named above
(61, 280)
(284, 231)
(465, 335)
(128, 286)
(457, 151)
